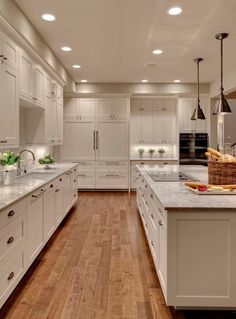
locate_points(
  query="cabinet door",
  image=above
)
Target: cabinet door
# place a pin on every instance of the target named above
(60, 94)
(34, 226)
(48, 214)
(9, 110)
(135, 127)
(10, 52)
(67, 200)
(48, 121)
(162, 254)
(59, 204)
(54, 121)
(120, 109)
(26, 76)
(105, 108)
(169, 127)
(38, 86)
(158, 127)
(86, 109)
(186, 108)
(146, 127)
(169, 104)
(79, 141)
(59, 123)
(71, 109)
(74, 185)
(112, 141)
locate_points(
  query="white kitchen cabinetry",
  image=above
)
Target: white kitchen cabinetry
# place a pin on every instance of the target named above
(9, 51)
(112, 108)
(79, 110)
(32, 79)
(185, 110)
(49, 211)
(58, 198)
(34, 226)
(164, 127)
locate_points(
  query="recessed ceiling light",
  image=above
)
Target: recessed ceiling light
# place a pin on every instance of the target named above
(174, 11)
(76, 66)
(151, 65)
(48, 17)
(157, 51)
(177, 81)
(84, 81)
(144, 81)
(66, 49)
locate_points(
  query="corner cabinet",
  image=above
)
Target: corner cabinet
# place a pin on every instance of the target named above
(186, 108)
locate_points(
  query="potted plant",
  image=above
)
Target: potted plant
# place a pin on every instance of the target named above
(161, 151)
(141, 151)
(151, 151)
(8, 162)
(46, 160)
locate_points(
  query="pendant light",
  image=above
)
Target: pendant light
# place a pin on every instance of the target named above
(221, 106)
(198, 112)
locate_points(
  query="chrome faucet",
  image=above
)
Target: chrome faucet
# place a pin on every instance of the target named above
(18, 164)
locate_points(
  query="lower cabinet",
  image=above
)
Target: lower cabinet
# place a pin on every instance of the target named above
(27, 225)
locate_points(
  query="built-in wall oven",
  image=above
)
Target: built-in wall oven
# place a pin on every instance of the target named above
(192, 148)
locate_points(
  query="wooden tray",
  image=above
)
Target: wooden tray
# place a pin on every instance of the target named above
(209, 192)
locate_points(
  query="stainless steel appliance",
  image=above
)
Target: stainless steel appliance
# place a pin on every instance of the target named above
(171, 177)
(192, 148)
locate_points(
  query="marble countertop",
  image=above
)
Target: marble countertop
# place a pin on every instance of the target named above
(30, 182)
(174, 196)
(154, 159)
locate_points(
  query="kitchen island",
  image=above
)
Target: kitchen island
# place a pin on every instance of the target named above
(192, 238)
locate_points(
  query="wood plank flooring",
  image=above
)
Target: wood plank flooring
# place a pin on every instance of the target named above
(96, 266)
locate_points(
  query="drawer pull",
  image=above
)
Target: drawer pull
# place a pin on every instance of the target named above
(11, 275)
(74, 180)
(160, 223)
(151, 196)
(111, 175)
(67, 173)
(145, 186)
(57, 190)
(11, 213)
(152, 243)
(152, 216)
(38, 195)
(51, 185)
(3, 141)
(74, 169)
(60, 179)
(81, 175)
(10, 240)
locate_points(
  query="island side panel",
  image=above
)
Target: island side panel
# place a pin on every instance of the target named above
(201, 259)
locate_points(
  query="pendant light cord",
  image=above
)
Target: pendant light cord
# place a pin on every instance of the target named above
(198, 99)
(221, 66)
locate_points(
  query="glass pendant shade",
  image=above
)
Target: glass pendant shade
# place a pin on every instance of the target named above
(221, 106)
(198, 112)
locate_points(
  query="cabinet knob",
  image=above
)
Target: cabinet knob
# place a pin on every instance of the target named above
(51, 185)
(152, 243)
(60, 179)
(57, 190)
(11, 213)
(10, 240)
(152, 216)
(151, 196)
(160, 223)
(11, 275)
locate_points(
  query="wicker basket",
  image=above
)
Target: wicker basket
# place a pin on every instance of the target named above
(221, 173)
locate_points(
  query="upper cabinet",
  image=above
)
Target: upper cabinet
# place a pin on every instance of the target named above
(9, 108)
(185, 110)
(113, 109)
(32, 79)
(79, 110)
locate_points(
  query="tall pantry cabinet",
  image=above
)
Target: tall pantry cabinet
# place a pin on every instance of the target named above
(96, 135)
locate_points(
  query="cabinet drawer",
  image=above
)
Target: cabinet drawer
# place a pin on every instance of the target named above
(112, 166)
(86, 166)
(86, 180)
(112, 180)
(11, 236)
(11, 273)
(10, 213)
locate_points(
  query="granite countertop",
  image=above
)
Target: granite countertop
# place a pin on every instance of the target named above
(174, 196)
(154, 159)
(28, 183)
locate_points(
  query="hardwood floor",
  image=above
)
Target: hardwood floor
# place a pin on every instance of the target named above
(97, 265)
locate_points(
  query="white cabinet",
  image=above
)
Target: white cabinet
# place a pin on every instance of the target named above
(9, 109)
(79, 110)
(112, 109)
(34, 225)
(67, 198)
(185, 110)
(164, 127)
(112, 141)
(48, 211)
(9, 51)
(58, 199)
(32, 79)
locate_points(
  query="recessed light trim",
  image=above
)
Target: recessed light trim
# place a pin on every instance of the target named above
(177, 81)
(144, 81)
(48, 17)
(76, 66)
(66, 49)
(84, 81)
(157, 51)
(174, 11)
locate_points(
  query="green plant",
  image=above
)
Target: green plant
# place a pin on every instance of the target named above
(9, 158)
(47, 159)
(151, 150)
(141, 150)
(161, 150)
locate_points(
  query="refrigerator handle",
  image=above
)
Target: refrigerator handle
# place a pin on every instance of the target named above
(94, 147)
(96, 140)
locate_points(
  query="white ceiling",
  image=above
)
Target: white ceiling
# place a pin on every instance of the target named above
(113, 39)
